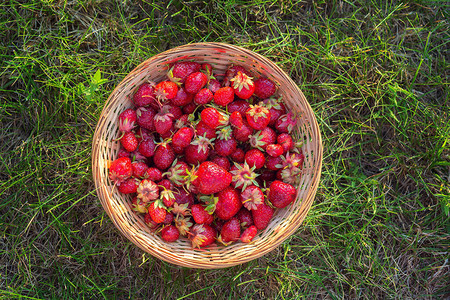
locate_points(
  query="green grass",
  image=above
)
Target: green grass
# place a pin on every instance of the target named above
(376, 74)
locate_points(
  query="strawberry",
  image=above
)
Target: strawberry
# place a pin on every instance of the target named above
(266, 177)
(276, 108)
(198, 150)
(245, 217)
(195, 82)
(181, 98)
(177, 173)
(251, 197)
(202, 129)
(281, 194)
(181, 70)
(238, 155)
(286, 123)
(224, 96)
(163, 120)
(175, 111)
(212, 178)
(262, 215)
(243, 85)
(147, 148)
(170, 233)
(208, 70)
(127, 120)
(212, 117)
(236, 119)
(200, 215)
(263, 138)
(274, 150)
(225, 147)
(243, 175)
(123, 153)
(232, 72)
(255, 158)
(150, 223)
(143, 134)
(258, 117)
(157, 212)
(286, 141)
(222, 161)
(145, 117)
(129, 186)
(231, 231)
(183, 197)
(213, 85)
(166, 90)
(189, 108)
(204, 96)
(273, 163)
(248, 234)
(167, 197)
(145, 95)
(153, 174)
(183, 121)
(182, 138)
(137, 156)
(168, 219)
(243, 134)
(165, 184)
(139, 169)
(238, 105)
(229, 203)
(202, 235)
(264, 88)
(120, 170)
(164, 156)
(129, 141)
(147, 191)
(138, 206)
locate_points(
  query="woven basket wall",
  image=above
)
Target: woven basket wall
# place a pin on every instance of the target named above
(285, 221)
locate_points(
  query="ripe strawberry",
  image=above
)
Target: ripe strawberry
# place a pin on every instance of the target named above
(212, 117)
(170, 233)
(263, 138)
(258, 117)
(167, 197)
(243, 134)
(143, 134)
(213, 85)
(231, 231)
(238, 105)
(189, 108)
(273, 163)
(139, 169)
(153, 174)
(212, 178)
(147, 191)
(264, 88)
(204, 130)
(222, 161)
(197, 151)
(200, 215)
(147, 148)
(281, 194)
(181, 98)
(123, 153)
(243, 176)
(129, 186)
(245, 217)
(120, 170)
(177, 173)
(243, 85)
(225, 147)
(262, 215)
(286, 123)
(169, 218)
(251, 197)
(150, 223)
(157, 211)
(183, 121)
(276, 108)
(238, 155)
(232, 72)
(224, 96)
(166, 90)
(248, 234)
(286, 141)
(145, 95)
(164, 156)
(145, 117)
(138, 206)
(266, 177)
(202, 235)
(255, 158)
(129, 141)
(163, 120)
(274, 150)
(195, 82)
(236, 119)
(204, 96)
(175, 111)
(137, 156)
(181, 70)
(165, 184)
(183, 197)
(182, 138)
(208, 70)
(127, 120)
(229, 203)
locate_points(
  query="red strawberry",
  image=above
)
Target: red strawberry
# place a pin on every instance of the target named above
(165, 184)
(147, 148)
(263, 138)
(163, 120)
(286, 123)
(129, 186)
(264, 88)
(204, 96)
(145, 118)
(157, 212)
(274, 163)
(204, 130)
(262, 215)
(139, 169)
(248, 234)
(197, 151)
(127, 120)
(183, 121)
(229, 203)
(181, 98)
(225, 147)
(266, 177)
(212, 117)
(224, 96)
(143, 134)
(182, 138)
(153, 174)
(245, 217)
(236, 119)
(212, 178)
(183, 197)
(175, 111)
(170, 233)
(238, 105)
(243, 85)
(181, 70)
(169, 218)
(276, 108)
(167, 197)
(177, 173)
(243, 134)
(222, 161)
(213, 85)
(202, 235)
(166, 90)
(200, 215)
(243, 175)
(123, 153)
(195, 82)
(232, 72)
(147, 191)
(120, 170)
(281, 194)
(274, 150)
(189, 108)
(238, 155)
(286, 141)
(208, 70)
(150, 223)
(129, 141)
(231, 231)
(258, 117)
(145, 95)
(255, 158)
(164, 156)
(251, 197)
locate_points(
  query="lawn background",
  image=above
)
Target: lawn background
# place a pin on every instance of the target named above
(376, 74)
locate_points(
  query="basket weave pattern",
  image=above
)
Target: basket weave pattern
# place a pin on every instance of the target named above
(117, 206)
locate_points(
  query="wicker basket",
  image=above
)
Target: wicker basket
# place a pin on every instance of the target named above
(285, 221)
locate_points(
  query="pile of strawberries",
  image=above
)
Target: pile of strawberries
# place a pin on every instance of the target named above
(207, 159)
